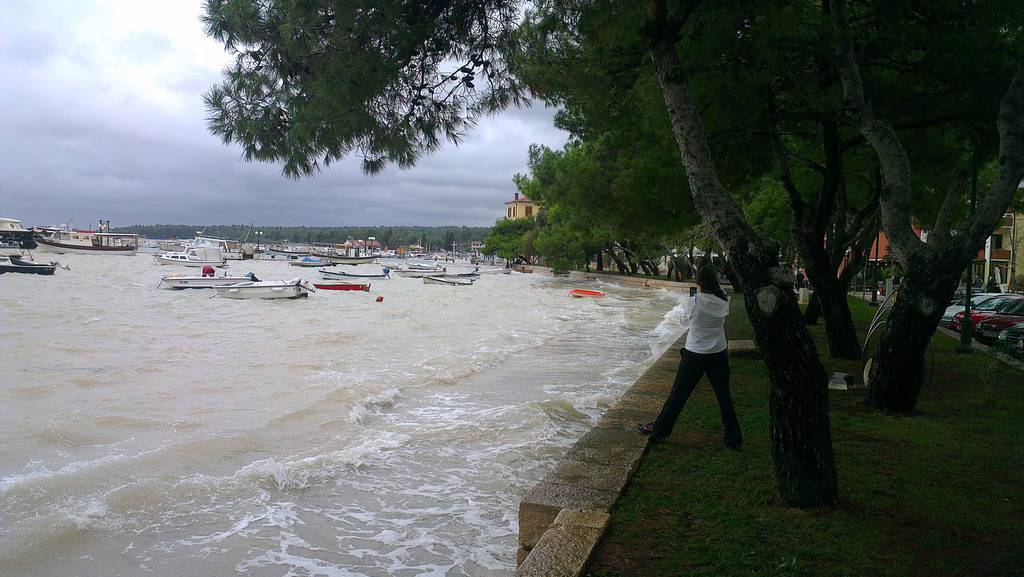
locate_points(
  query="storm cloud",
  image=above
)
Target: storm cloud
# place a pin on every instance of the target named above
(101, 116)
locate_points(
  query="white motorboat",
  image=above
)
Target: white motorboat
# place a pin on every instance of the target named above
(179, 282)
(267, 289)
(453, 281)
(193, 257)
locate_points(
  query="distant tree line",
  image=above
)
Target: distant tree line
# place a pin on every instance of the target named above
(389, 236)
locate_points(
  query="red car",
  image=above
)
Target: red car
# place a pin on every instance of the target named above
(987, 331)
(986, 309)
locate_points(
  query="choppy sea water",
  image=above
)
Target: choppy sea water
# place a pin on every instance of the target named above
(147, 431)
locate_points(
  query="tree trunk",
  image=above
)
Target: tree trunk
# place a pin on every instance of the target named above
(813, 310)
(839, 327)
(618, 261)
(896, 372)
(600, 260)
(798, 402)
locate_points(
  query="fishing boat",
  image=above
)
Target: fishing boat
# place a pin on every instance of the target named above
(14, 238)
(63, 241)
(355, 276)
(501, 270)
(268, 289)
(448, 281)
(16, 265)
(170, 246)
(473, 275)
(342, 286)
(180, 282)
(352, 259)
(283, 252)
(193, 257)
(309, 261)
(580, 293)
(420, 273)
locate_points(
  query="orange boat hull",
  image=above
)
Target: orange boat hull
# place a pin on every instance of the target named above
(580, 293)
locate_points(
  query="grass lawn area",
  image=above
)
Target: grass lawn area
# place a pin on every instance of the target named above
(940, 493)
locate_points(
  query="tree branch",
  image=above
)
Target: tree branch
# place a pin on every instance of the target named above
(895, 165)
(1010, 169)
(940, 232)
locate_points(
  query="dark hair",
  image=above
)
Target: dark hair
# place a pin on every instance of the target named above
(707, 280)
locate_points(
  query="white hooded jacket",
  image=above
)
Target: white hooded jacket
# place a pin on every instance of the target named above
(704, 323)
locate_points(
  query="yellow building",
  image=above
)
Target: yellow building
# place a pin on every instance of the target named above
(520, 207)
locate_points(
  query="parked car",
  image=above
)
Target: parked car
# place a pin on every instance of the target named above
(1011, 339)
(986, 309)
(957, 306)
(989, 328)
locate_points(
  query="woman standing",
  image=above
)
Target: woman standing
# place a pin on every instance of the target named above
(706, 351)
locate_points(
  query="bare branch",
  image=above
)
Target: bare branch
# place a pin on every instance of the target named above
(1010, 169)
(895, 165)
(940, 232)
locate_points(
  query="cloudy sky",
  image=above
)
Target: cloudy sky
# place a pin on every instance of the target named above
(101, 116)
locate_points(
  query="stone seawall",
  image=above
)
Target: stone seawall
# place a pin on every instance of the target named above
(563, 517)
(630, 281)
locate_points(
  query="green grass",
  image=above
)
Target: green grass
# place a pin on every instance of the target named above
(940, 493)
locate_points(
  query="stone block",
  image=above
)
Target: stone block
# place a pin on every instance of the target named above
(601, 437)
(626, 418)
(591, 518)
(607, 454)
(566, 547)
(611, 478)
(541, 505)
(744, 348)
(641, 400)
(521, 554)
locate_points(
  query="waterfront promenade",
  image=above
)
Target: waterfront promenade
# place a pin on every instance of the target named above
(932, 494)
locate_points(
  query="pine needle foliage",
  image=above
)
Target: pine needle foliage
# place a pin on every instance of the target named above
(314, 81)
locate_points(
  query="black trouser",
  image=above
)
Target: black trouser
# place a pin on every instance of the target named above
(691, 368)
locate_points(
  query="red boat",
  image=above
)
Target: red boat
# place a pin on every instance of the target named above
(342, 286)
(580, 293)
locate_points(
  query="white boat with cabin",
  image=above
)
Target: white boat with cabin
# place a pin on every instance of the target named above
(193, 257)
(14, 238)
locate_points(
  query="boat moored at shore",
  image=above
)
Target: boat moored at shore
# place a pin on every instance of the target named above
(63, 241)
(14, 264)
(14, 238)
(180, 282)
(268, 289)
(193, 257)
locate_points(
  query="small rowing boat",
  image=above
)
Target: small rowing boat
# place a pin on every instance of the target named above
(356, 276)
(580, 293)
(342, 286)
(456, 281)
(180, 282)
(268, 289)
(309, 261)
